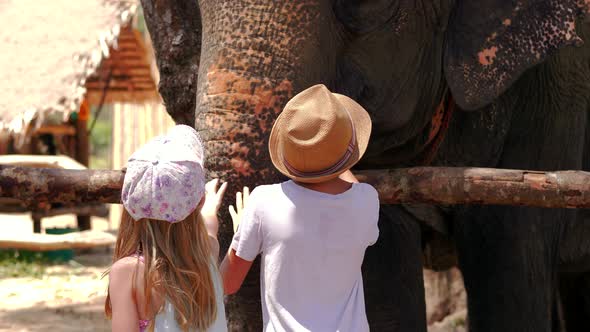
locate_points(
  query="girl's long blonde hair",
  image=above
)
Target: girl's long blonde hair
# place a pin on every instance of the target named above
(177, 258)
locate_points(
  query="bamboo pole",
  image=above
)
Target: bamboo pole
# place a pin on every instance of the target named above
(434, 185)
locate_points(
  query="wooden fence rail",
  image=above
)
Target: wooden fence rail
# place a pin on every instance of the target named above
(436, 185)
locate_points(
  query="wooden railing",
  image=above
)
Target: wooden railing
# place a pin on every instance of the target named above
(434, 185)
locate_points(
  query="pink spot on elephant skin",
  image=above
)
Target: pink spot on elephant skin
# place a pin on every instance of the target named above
(487, 55)
(571, 30)
(241, 166)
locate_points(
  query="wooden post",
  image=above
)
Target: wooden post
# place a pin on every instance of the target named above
(83, 152)
(36, 224)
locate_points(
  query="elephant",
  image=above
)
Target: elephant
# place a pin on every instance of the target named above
(484, 83)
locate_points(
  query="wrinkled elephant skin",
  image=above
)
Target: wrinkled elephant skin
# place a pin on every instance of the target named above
(513, 64)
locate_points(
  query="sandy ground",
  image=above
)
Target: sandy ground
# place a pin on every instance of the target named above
(67, 297)
(70, 297)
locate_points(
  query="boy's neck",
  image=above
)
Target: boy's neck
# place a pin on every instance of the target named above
(334, 186)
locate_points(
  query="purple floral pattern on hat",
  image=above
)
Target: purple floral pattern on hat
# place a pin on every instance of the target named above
(165, 179)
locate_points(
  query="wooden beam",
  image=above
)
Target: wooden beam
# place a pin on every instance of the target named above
(444, 186)
(95, 210)
(123, 96)
(63, 129)
(40, 161)
(134, 63)
(127, 56)
(123, 71)
(485, 186)
(42, 185)
(122, 77)
(45, 242)
(126, 84)
(14, 209)
(135, 54)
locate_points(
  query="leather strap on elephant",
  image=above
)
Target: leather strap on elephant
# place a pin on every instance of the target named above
(438, 129)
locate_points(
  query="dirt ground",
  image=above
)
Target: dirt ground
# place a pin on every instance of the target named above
(70, 297)
(67, 297)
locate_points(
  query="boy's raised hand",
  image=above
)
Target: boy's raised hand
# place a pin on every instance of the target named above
(237, 211)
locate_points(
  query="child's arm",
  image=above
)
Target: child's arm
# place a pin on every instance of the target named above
(233, 271)
(213, 198)
(233, 268)
(124, 310)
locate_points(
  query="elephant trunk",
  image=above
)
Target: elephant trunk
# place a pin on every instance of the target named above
(253, 61)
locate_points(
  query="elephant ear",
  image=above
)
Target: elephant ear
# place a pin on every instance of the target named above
(490, 43)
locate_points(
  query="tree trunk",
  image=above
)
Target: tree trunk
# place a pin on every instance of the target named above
(433, 185)
(175, 29)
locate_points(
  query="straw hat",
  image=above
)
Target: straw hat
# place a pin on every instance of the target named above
(319, 135)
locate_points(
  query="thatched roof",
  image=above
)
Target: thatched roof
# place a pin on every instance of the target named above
(49, 48)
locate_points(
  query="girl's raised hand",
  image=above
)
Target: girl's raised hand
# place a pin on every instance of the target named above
(241, 202)
(213, 197)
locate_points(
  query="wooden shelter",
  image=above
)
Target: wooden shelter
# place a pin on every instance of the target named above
(49, 50)
(63, 60)
(127, 73)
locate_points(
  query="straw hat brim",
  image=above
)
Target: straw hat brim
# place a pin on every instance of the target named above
(362, 123)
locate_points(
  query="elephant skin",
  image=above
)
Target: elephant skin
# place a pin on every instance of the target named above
(519, 73)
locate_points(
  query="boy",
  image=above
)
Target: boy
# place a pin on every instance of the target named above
(311, 231)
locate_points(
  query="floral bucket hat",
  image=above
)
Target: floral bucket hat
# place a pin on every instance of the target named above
(165, 178)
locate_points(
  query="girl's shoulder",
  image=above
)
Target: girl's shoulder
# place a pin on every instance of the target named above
(121, 280)
(125, 267)
(127, 264)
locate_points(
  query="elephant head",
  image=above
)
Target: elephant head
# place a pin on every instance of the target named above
(397, 58)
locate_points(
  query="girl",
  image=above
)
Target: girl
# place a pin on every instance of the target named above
(165, 275)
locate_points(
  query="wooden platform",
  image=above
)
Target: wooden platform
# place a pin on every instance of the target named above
(46, 242)
(40, 161)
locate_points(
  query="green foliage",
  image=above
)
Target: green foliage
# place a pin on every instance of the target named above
(14, 264)
(140, 23)
(459, 322)
(100, 139)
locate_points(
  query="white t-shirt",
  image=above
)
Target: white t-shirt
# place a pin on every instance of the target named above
(312, 247)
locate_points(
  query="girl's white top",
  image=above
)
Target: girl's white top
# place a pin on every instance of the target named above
(165, 320)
